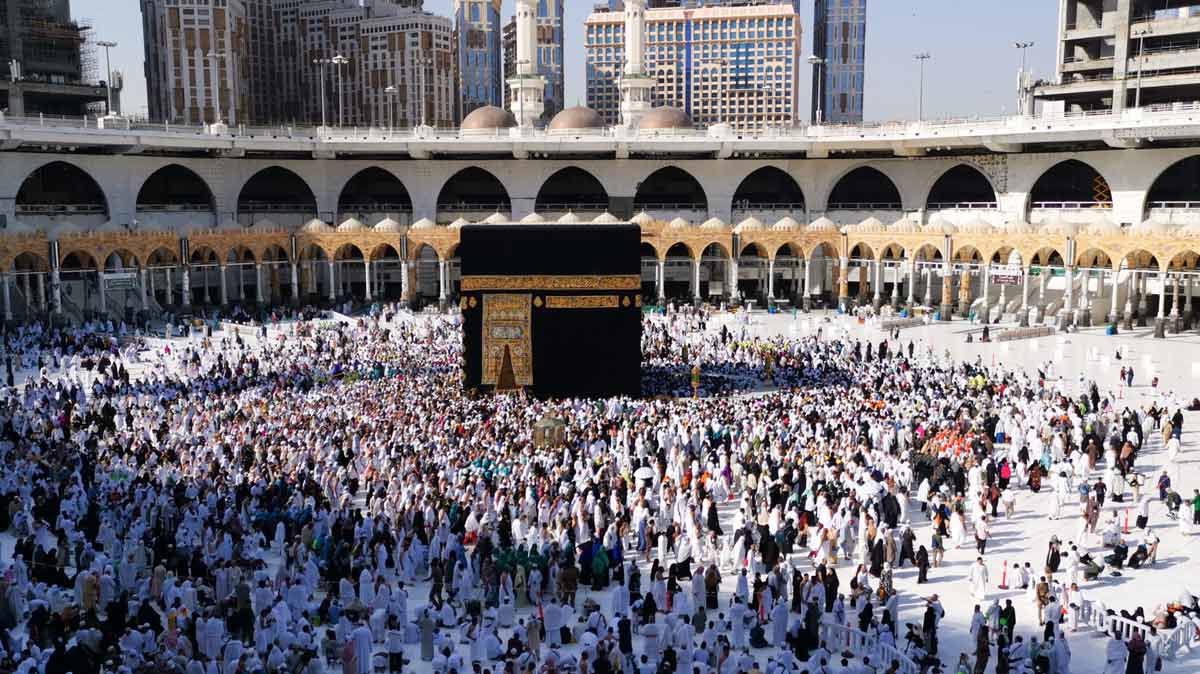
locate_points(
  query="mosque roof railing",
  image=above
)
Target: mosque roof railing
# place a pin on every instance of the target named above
(1123, 129)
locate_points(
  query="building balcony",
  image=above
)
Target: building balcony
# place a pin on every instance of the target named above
(1076, 64)
(1186, 21)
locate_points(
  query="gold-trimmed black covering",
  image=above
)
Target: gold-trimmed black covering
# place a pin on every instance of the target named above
(552, 309)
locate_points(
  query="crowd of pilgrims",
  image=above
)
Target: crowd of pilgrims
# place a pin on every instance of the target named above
(328, 498)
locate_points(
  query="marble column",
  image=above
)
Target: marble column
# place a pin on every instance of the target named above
(442, 282)
(947, 307)
(733, 292)
(56, 287)
(896, 278)
(41, 286)
(1083, 316)
(929, 286)
(259, 295)
(1176, 318)
(102, 295)
(696, 280)
(964, 293)
(1043, 277)
(912, 281)
(367, 280)
(185, 282)
(167, 276)
(1130, 291)
(986, 308)
(770, 280)
(1187, 301)
(1160, 324)
(332, 281)
(844, 284)
(877, 299)
(1143, 315)
(660, 280)
(224, 287)
(1023, 319)
(1068, 309)
(142, 288)
(1112, 316)
(8, 314)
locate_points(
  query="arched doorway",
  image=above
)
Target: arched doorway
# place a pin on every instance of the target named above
(161, 268)
(769, 194)
(671, 192)
(278, 195)
(472, 194)
(30, 276)
(1070, 185)
(175, 195)
(387, 272)
(1176, 190)
(204, 276)
(60, 192)
(714, 273)
(316, 274)
(864, 189)
(862, 277)
(571, 190)
(428, 284)
(753, 276)
(789, 273)
(961, 188)
(649, 272)
(349, 272)
(678, 271)
(79, 279)
(373, 194)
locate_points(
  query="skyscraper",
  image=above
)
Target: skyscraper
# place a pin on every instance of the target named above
(549, 54)
(477, 50)
(840, 41)
(252, 62)
(722, 61)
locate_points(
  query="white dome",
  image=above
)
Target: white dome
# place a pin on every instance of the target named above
(679, 223)
(605, 218)
(66, 228)
(1153, 228)
(496, 218)
(1103, 227)
(1019, 227)
(1189, 230)
(940, 226)
(977, 226)
(424, 223)
(642, 219)
(750, 224)
(533, 219)
(713, 225)
(1059, 227)
(870, 226)
(459, 223)
(787, 224)
(314, 226)
(351, 225)
(905, 226)
(823, 225)
(569, 219)
(388, 226)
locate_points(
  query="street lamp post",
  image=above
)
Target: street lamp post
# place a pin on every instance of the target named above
(391, 99)
(1137, 97)
(921, 58)
(322, 63)
(108, 66)
(1024, 47)
(340, 61)
(819, 64)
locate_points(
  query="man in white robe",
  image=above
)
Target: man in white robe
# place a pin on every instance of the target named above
(978, 577)
(362, 648)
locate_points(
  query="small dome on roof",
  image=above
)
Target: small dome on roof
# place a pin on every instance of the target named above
(1153, 228)
(642, 219)
(351, 225)
(1103, 227)
(1192, 229)
(871, 226)
(679, 223)
(66, 228)
(576, 118)
(750, 224)
(714, 224)
(316, 226)
(605, 218)
(569, 219)
(977, 226)
(533, 219)
(488, 118)
(940, 226)
(459, 223)
(823, 225)
(787, 224)
(1059, 227)
(665, 117)
(905, 226)
(388, 226)
(497, 218)
(424, 223)
(1019, 227)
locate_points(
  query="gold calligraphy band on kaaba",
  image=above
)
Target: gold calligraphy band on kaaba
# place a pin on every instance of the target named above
(582, 301)
(542, 282)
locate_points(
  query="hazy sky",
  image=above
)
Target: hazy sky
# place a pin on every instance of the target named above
(972, 72)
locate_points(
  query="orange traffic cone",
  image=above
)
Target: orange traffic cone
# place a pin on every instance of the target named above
(1127, 520)
(1004, 577)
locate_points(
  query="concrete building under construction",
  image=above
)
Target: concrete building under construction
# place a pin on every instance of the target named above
(43, 69)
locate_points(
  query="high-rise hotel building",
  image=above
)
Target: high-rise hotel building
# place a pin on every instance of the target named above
(480, 63)
(840, 41)
(720, 61)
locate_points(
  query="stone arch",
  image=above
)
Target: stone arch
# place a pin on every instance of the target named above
(121, 259)
(348, 251)
(864, 188)
(1071, 182)
(958, 185)
(1094, 258)
(1177, 186)
(30, 262)
(675, 248)
(968, 253)
(384, 251)
(60, 188)
(175, 187)
(861, 250)
(768, 188)
(276, 189)
(1046, 256)
(893, 252)
(755, 248)
(571, 188)
(1184, 259)
(826, 249)
(671, 186)
(474, 189)
(162, 256)
(793, 250)
(373, 190)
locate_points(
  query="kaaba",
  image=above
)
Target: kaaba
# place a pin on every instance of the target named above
(553, 310)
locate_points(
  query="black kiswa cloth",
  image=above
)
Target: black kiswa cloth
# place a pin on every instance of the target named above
(559, 305)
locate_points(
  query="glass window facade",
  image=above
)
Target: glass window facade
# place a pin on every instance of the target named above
(840, 38)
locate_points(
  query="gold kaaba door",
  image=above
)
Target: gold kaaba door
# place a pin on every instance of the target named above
(507, 341)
